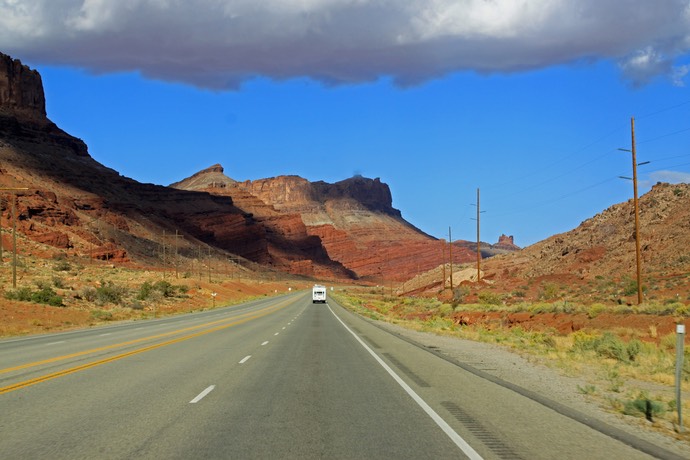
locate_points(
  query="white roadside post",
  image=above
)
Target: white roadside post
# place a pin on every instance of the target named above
(680, 342)
(213, 296)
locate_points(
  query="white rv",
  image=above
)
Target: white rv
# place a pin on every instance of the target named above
(318, 294)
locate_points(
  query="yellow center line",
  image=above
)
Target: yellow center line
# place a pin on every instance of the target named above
(235, 321)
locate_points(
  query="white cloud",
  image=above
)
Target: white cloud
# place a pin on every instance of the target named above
(220, 43)
(671, 177)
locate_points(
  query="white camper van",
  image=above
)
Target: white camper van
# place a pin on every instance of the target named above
(318, 294)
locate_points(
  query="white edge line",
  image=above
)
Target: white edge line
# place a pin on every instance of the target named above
(245, 359)
(202, 395)
(455, 437)
(55, 343)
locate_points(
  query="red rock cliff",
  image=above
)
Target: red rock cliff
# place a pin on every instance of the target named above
(21, 90)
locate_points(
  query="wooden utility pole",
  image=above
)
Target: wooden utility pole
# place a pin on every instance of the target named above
(177, 274)
(164, 269)
(14, 242)
(1, 243)
(14, 234)
(638, 255)
(443, 264)
(209, 264)
(479, 252)
(450, 252)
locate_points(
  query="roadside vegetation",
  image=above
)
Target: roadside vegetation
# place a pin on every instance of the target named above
(66, 292)
(629, 370)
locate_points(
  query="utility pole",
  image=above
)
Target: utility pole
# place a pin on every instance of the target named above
(1, 243)
(443, 264)
(479, 252)
(177, 273)
(14, 234)
(164, 269)
(638, 255)
(450, 252)
(209, 264)
(14, 241)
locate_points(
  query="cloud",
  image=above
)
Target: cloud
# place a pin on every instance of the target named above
(671, 177)
(219, 44)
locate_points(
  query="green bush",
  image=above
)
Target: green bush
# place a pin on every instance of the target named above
(164, 288)
(22, 294)
(607, 346)
(47, 296)
(489, 298)
(109, 293)
(641, 406)
(145, 291)
(62, 266)
(44, 295)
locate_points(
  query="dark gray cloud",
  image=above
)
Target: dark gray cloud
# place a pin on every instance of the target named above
(221, 43)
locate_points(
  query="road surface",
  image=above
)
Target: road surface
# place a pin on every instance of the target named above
(275, 378)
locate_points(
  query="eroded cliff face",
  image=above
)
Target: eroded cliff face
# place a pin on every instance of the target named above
(352, 221)
(21, 90)
(73, 203)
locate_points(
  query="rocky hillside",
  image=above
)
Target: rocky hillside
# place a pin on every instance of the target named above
(600, 252)
(354, 219)
(75, 204)
(72, 203)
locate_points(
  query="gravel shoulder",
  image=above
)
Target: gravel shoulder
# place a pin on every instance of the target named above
(527, 373)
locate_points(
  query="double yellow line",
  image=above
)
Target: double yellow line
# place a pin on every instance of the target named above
(246, 317)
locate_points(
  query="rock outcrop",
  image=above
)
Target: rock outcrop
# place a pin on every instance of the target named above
(352, 220)
(74, 203)
(21, 90)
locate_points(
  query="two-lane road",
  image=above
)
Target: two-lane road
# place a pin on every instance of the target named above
(267, 379)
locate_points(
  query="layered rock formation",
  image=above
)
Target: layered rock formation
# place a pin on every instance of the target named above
(354, 220)
(344, 230)
(75, 203)
(21, 90)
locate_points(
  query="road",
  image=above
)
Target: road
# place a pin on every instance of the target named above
(274, 378)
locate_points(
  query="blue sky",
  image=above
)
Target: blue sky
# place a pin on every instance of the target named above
(469, 98)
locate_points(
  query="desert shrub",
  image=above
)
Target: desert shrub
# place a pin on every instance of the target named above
(88, 293)
(633, 348)
(44, 295)
(610, 346)
(145, 291)
(518, 293)
(58, 282)
(167, 289)
(607, 346)
(630, 287)
(595, 309)
(459, 294)
(489, 298)
(445, 309)
(47, 296)
(549, 291)
(641, 406)
(22, 294)
(110, 293)
(62, 266)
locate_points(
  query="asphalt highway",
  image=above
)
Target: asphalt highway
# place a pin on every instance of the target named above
(275, 378)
